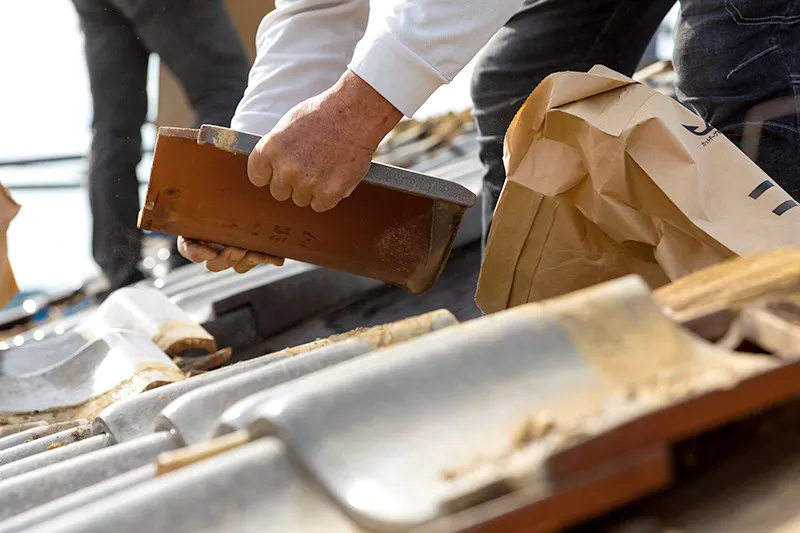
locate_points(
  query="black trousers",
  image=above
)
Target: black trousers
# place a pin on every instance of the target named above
(197, 41)
(730, 55)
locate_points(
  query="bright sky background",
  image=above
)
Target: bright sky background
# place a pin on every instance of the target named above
(44, 95)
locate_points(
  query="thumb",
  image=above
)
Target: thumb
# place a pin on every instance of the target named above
(259, 167)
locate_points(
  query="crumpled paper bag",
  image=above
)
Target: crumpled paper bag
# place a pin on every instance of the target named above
(607, 177)
(8, 283)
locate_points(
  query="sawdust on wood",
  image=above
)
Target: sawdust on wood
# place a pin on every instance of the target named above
(170, 461)
(225, 139)
(533, 428)
(82, 433)
(625, 335)
(644, 359)
(54, 428)
(304, 348)
(664, 387)
(178, 133)
(395, 332)
(732, 283)
(383, 335)
(622, 333)
(175, 337)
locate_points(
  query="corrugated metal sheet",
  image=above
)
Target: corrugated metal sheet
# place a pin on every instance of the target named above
(534, 419)
(425, 425)
(132, 433)
(48, 466)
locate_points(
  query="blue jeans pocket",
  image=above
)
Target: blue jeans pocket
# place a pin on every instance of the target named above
(760, 12)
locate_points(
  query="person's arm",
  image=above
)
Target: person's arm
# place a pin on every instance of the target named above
(322, 148)
(302, 48)
(320, 151)
(422, 44)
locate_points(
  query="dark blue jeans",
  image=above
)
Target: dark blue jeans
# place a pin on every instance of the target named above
(730, 56)
(197, 41)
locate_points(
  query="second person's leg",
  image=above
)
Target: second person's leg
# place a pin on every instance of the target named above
(196, 39)
(732, 55)
(117, 64)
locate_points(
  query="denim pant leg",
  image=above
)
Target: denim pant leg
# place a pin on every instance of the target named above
(196, 39)
(731, 55)
(117, 65)
(547, 36)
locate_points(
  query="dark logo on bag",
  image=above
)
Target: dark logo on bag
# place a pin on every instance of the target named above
(763, 187)
(693, 129)
(705, 132)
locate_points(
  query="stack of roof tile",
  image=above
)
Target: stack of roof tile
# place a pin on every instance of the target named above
(538, 418)
(534, 419)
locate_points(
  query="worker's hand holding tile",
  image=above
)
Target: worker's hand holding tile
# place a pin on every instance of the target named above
(319, 152)
(315, 156)
(221, 258)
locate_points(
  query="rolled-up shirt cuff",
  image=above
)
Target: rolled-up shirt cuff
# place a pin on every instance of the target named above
(394, 70)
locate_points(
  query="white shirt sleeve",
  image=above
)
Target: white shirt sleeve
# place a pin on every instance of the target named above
(305, 45)
(302, 48)
(423, 44)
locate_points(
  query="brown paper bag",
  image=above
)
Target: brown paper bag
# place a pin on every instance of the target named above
(8, 283)
(607, 177)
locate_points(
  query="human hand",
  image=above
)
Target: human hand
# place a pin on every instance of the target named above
(322, 148)
(316, 155)
(219, 258)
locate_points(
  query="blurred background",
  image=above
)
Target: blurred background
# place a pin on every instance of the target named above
(46, 117)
